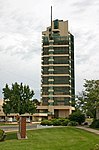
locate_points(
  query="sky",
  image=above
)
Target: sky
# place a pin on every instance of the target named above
(21, 26)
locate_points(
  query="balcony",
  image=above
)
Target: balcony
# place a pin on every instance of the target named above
(46, 75)
(50, 96)
(56, 85)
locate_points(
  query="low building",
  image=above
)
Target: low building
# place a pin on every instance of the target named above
(47, 112)
(2, 115)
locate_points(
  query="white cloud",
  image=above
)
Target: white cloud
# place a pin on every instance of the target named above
(13, 69)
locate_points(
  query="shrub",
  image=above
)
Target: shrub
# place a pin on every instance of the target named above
(60, 122)
(72, 123)
(95, 124)
(56, 122)
(65, 122)
(2, 135)
(46, 122)
(78, 117)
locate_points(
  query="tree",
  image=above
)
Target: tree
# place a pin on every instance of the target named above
(18, 99)
(78, 117)
(80, 102)
(36, 102)
(88, 100)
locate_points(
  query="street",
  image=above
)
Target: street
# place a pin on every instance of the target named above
(15, 127)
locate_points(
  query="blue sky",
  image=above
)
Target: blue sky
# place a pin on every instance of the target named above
(21, 26)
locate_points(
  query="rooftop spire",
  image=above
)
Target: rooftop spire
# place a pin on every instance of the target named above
(51, 19)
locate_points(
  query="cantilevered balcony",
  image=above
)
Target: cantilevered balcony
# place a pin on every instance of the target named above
(56, 65)
(56, 95)
(56, 85)
(57, 55)
(45, 46)
(46, 75)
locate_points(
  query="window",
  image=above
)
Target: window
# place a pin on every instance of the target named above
(56, 24)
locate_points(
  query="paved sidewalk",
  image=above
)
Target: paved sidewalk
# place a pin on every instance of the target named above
(88, 129)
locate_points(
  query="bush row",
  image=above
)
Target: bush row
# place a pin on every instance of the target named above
(59, 122)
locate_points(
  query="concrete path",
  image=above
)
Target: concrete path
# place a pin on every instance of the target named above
(88, 129)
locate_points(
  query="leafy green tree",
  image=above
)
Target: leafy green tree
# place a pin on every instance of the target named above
(36, 102)
(18, 99)
(77, 117)
(80, 102)
(88, 100)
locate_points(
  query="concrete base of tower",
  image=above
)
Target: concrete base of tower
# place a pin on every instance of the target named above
(49, 112)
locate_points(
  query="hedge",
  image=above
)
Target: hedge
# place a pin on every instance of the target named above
(59, 122)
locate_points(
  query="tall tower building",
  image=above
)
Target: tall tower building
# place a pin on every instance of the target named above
(57, 72)
(58, 81)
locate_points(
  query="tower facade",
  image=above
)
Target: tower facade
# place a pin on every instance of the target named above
(58, 81)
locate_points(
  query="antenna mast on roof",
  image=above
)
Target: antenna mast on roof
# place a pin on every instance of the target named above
(51, 20)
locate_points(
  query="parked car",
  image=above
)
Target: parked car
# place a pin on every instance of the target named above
(28, 120)
(2, 120)
(85, 123)
(9, 119)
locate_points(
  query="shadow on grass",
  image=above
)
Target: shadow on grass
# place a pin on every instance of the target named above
(11, 136)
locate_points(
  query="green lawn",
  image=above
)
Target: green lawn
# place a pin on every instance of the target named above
(62, 138)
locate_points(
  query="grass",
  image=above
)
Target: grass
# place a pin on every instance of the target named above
(62, 138)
